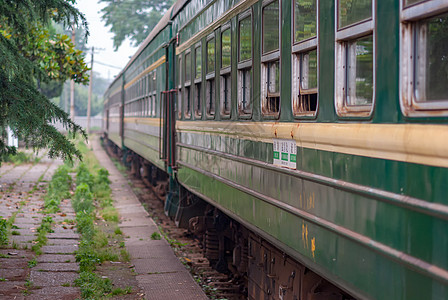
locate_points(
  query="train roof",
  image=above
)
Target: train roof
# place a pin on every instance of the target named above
(164, 21)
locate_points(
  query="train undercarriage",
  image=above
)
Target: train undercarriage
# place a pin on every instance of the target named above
(262, 270)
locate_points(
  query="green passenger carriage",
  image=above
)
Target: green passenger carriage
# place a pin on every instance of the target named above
(305, 140)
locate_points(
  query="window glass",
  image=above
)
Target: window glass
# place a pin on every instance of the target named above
(304, 19)
(211, 55)
(226, 48)
(187, 102)
(353, 11)
(179, 71)
(245, 35)
(198, 102)
(188, 67)
(431, 74)
(271, 27)
(273, 77)
(244, 92)
(360, 71)
(308, 72)
(225, 94)
(198, 55)
(210, 97)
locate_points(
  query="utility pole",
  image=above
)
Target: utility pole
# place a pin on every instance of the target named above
(72, 84)
(89, 103)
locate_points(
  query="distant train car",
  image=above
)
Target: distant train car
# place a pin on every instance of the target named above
(306, 141)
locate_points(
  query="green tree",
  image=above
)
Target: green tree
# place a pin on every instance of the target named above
(30, 56)
(133, 19)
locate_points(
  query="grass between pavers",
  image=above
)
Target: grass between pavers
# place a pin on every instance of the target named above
(95, 213)
(20, 158)
(58, 189)
(43, 230)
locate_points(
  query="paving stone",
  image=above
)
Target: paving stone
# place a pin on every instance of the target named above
(22, 238)
(51, 293)
(46, 279)
(13, 263)
(62, 242)
(59, 249)
(55, 258)
(28, 231)
(65, 235)
(14, 274)
(58, 267)
(7, 286)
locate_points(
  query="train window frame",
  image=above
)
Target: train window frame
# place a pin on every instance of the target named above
(346, 38)
(187, 87)
(210, 89)
(197, 101)
(268, 62)
(301, 48)
(244, 67)
(179, 86)
(413, 40)
(225, 75)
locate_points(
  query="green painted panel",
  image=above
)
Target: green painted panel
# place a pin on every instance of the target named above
(342, 259)
(398, 227)
(419, 181)
(114, 137)
(145, 152)
(146, 139)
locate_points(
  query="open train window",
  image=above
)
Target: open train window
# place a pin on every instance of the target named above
(304, 58)
(210, 77)
(270, 59)
(179, 87)
(187, 86)
(355, 58)
(225, 72)
(424, 60)
(245, 64)
(198, 81)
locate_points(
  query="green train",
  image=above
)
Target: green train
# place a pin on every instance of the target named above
(305, 141)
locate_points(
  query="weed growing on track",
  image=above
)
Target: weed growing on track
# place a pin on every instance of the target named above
(58, 189)
(43, 230)
(20, 158)
(92, 198)
(3, 232)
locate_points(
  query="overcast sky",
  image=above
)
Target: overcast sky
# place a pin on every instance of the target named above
(100, 37)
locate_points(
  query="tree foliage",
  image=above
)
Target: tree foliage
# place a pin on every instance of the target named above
(133, 19)
(30, 55)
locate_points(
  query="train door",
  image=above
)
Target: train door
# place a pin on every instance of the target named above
(167, 113)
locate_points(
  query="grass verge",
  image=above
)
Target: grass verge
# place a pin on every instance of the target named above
(96, 221)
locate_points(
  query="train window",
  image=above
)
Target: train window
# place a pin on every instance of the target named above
(187, 86)
(424, 65)
(225, 73)
(245, 64)
(210, 77)
(197, 82)
(270, 75)
(355, 58)
(305, 77)
(353, 11)
(179, 87)
(154, 93)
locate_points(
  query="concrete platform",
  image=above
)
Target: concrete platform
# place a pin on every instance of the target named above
(159, 272)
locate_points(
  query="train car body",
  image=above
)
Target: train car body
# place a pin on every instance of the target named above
(318, 126)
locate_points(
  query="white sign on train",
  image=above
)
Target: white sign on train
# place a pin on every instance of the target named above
(285, 153)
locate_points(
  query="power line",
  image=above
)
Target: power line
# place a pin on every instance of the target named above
(107, 65)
